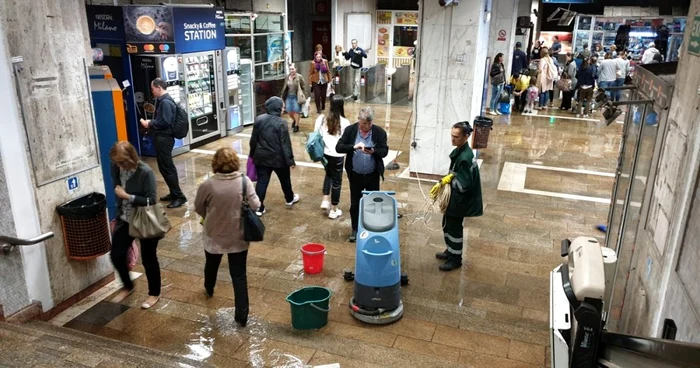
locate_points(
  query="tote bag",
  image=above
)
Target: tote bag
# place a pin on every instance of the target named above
(250, 170)
(149, 222)
(251, 224)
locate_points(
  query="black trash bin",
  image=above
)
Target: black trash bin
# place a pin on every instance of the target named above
(85, 226)
(482, 128)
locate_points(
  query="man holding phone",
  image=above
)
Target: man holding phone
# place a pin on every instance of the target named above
(366, 146)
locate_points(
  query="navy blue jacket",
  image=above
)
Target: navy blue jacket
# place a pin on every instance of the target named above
(519, 61)
(586, 77)
(355, 56)
(166, 111)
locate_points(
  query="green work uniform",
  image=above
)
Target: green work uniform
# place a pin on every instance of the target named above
(465, 199)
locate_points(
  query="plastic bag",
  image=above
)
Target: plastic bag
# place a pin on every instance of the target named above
(330, 91)
(504, 96)
(305, 109)
(251, 172)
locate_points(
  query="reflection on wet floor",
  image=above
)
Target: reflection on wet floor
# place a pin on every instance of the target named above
(493, 312)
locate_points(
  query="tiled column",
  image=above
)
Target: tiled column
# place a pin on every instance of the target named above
(452, 50)
(503, 19)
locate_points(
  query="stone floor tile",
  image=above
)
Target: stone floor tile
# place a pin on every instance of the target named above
(263, 352)
(321, 358)
(428, 348)
(478, 360)
(525, 352)
(463, 339)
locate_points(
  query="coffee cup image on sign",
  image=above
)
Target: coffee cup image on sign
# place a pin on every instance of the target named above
(145, 24)
(148, 24)
(170, 68)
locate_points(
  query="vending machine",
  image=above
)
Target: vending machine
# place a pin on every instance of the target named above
(145, 68)
(246, 91)
(232, 82)
(200, 82)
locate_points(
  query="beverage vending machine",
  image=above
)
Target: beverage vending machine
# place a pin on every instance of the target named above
(232, 62)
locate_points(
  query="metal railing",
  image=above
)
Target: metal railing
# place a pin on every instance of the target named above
(8, 243)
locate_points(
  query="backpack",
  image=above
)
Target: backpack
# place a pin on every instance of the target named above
(181, 124)
(315, 146)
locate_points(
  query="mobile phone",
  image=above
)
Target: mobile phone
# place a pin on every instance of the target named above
(368, 149)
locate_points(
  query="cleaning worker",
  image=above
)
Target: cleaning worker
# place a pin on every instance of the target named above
(464, 200)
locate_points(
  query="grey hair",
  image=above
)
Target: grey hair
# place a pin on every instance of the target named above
(366, 113)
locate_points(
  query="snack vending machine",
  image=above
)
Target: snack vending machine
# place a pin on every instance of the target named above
(232, 62)
(144, 70)
(246, 91)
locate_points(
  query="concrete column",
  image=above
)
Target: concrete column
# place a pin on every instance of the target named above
(47, 136)
(452, 51)
(502, 30)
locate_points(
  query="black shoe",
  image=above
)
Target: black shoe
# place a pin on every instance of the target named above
(353, 237)
(295, 129)
(354, 98)
(210, 293)
(167, 198)
(443, 255)
(451, 264)
(241, 318)
(177, 203)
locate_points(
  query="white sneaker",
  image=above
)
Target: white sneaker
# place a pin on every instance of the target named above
(498, 113)
(335, 214)
(295, 200)
(260, 213)
(492, 113)
(325, 205)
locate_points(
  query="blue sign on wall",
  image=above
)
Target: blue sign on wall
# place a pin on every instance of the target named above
(105, 22)
(198, 29)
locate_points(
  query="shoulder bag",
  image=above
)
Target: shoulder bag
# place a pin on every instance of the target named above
(149, 221)
(253, 228)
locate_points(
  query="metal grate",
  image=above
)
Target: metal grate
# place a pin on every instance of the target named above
(86, 238)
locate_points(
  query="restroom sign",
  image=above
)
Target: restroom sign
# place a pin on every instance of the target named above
(72, 183)
(502, 35)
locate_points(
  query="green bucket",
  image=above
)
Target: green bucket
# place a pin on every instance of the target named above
(310, 307)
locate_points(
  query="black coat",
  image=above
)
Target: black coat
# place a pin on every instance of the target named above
(270, 144)
(346, 145)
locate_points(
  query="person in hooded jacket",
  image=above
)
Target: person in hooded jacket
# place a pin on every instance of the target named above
(271, 150)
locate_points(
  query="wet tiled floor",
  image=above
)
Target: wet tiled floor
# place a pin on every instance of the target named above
(491, 313)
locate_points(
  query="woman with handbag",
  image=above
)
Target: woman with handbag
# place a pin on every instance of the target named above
(220, 202)
(135, 188)
(498, 80)
(332, 127)
(567, 83)
(319, 76)
(294, 95)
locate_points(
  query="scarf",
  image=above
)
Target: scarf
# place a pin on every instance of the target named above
(321, 66)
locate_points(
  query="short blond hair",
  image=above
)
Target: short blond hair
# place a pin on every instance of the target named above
(123, 154)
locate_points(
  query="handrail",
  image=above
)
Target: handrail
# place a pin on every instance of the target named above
(674, 353)
(7, 243)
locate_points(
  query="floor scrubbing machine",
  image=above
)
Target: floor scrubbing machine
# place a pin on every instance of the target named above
(378, 278)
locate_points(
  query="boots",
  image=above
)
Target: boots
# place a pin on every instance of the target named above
(452, 263)
(442, 255)
(241, 317)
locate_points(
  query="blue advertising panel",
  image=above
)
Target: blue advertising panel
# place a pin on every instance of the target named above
(198, 29)
(105, 22)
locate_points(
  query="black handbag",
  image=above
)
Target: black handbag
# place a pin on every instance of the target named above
(253, 227)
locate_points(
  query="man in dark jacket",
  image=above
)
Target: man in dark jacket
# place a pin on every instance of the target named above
(366, 146)
(355, 55)
(519, 60)
(162, 122)
(271, 150)
(465, 198)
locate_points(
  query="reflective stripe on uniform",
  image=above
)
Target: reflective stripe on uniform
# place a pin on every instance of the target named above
(453, 239)
(454, 251)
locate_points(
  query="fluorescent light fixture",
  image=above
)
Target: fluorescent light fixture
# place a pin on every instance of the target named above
(488, 16)
(642, 34)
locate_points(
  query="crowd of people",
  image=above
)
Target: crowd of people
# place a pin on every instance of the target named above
(536, 81)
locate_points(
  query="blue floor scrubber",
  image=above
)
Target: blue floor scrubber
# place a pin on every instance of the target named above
(378, 278)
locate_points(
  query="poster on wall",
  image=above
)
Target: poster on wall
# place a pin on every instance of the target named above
(564, 37)
(383, 17)
(383, 41)
(149, 29)
(406, 18)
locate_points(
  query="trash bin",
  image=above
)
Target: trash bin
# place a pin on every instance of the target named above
(85, 226)
(482, 128)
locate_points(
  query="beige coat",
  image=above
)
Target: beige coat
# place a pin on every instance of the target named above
(218, 201)
(545, 70)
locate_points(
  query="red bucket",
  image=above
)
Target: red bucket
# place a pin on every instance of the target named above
(313, 254)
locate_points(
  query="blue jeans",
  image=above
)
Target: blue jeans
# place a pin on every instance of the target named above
(617, 95)
(495, 94)
(543, 98)
(606, 84)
